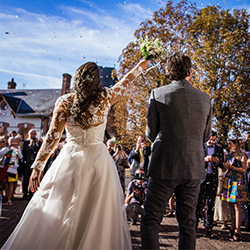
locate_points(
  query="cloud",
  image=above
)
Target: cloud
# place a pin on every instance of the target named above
(47, 81)
(40, 48)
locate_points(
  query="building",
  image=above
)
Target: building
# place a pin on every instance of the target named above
(22, 110)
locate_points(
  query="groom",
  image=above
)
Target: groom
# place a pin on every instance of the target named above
(179, 122)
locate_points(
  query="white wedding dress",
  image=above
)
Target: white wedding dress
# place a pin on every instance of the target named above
(80, 202)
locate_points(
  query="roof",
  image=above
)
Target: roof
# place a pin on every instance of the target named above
(41, 102)
(33, 102)
(106, 78)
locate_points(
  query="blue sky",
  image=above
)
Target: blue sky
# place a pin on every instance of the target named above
(42, 39)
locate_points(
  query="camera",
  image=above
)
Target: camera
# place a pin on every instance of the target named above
(139, 194)
(144, 184)
(139, 176)
(119, 147)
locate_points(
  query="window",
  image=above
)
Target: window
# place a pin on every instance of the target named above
(4, 105)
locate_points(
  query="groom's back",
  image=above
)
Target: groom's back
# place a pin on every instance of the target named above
(181, 126)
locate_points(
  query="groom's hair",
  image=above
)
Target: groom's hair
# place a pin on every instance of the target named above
(178, 66)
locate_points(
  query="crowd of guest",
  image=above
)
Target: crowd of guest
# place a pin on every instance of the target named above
(16, 158)
(224, 193)
(223, 197)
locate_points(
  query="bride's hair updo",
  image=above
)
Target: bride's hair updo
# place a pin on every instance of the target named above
(87, 88)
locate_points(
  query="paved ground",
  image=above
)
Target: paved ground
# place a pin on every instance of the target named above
(169, 237)
(168, 231)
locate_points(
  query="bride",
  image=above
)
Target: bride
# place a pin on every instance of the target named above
(80, 203)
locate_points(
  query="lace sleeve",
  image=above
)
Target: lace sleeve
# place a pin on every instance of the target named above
(117, 91)
(53, 136)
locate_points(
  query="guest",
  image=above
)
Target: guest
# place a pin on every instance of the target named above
(139, 156)
(30, 150)
(214, 156)
(135, 196)
(121, 161)
(221, 208)
(110, 145)
(248, 203)
(235, 188)
(20, 139)
(171, 206)
(12, 133)
(52, 157)
(13, 155)
(3, 169)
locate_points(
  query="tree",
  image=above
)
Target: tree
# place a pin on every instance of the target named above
(218, 43)
(169, 26)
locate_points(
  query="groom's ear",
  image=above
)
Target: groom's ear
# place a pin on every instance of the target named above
(189, 72)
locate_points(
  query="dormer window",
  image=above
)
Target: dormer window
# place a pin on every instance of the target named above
(4, 105)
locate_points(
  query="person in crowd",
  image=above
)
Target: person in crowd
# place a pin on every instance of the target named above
(11, 161)
(139, 156)
(214, 156)
(245, 148)
(3, 169)
(20, 140)
(31, 147)
(12, 133)
(110, 146)
(135, 196)
(178, 123)
(248, 203)
(2, 188)
(246, 151)
(221, 207)
(6, 139)
(121, 161)
(171, 206)
(235, 188)
(52, 157)
(246, 144)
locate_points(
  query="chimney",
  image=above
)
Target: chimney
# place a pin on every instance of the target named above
(11, 84)
(66, 84)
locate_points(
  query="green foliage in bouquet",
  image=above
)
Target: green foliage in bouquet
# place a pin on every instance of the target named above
(152, 49)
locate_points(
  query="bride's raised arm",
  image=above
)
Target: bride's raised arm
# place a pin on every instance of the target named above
(117, 91)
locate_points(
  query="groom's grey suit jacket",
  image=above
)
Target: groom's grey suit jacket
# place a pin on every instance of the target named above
(179, 122)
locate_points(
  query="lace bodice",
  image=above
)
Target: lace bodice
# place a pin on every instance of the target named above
(62, 117)
(81, 137)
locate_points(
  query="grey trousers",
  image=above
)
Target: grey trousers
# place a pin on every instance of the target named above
(157, 196)
(133, 209)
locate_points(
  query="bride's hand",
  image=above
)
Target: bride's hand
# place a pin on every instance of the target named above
(34, 181)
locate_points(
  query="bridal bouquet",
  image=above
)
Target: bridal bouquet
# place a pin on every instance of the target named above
(152, 49)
